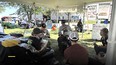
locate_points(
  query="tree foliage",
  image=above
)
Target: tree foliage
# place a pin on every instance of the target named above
(2, 9)
(3, 5)
(26, 10)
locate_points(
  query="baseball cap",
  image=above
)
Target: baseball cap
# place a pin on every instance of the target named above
(74, 36)
(36, 31)
(43, 25)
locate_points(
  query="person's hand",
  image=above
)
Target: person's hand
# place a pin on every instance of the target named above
(94, 43)
(41, 35)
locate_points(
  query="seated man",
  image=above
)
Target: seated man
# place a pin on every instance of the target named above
(35, 43)
(64, 28)
(37, 33)
(104, 37)
(18, 51)
(101, 50)
(76, 54)
(45, 31)
(63, 33)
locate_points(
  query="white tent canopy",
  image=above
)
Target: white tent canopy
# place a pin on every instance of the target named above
(57, 3)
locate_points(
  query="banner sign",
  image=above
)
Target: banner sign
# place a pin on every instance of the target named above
(96, 30)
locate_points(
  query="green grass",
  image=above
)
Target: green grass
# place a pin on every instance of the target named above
(18, 30)
(90, 22)
(54, 34)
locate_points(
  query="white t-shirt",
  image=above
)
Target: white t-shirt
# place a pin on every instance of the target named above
(64, 28)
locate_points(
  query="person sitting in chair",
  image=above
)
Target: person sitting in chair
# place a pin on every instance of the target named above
(76, 54)
(37, 33)
(64, 28)
(63, 33)
(45, 31)
(101, 50)
(104, 37)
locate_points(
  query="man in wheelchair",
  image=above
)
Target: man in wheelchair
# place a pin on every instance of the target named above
(63, 41)
(33, 50)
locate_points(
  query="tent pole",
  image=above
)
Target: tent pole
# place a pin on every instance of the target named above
(34, 14)
(57, 15)
(111, 48)
(83, 18)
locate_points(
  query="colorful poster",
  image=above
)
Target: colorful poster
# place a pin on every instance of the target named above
(96, 30)
(104, 10)
(91, 12)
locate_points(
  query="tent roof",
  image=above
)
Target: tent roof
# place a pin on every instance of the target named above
(57, 3)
